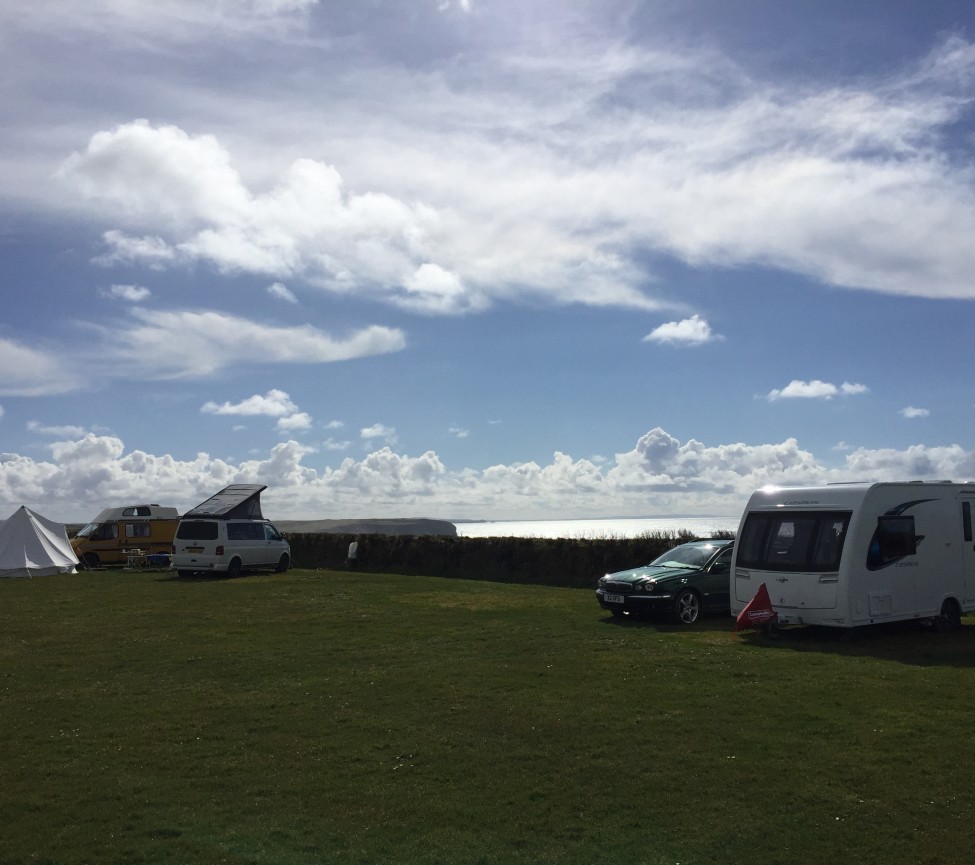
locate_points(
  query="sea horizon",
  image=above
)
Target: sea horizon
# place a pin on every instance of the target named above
(595, 528)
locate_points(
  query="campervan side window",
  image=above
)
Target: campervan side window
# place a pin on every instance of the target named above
(249, 531)
(139, 511)
(138, 530)
(793, 541)
(197, 530)
(894, 539)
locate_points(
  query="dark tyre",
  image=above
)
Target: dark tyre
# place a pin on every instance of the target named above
(950, 617)
(234, 568)
(687, 607)
(90, 560)
(283, 563)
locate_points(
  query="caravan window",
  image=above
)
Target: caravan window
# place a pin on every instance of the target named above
(138, 530)
(894, 539)
(793, 541)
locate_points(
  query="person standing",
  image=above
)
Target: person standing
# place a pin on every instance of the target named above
(352, 560)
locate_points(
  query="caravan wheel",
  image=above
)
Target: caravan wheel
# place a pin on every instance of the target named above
(950, 617)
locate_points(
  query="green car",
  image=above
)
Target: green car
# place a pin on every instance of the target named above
(683, 583)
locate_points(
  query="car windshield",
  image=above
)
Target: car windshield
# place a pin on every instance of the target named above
(684, 556)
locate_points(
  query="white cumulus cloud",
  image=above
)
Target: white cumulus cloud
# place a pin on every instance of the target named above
(660, 473)
(275, 403)
(691, 331)
(815, 389)
(378, 432)
(912, 412)
(297, 422)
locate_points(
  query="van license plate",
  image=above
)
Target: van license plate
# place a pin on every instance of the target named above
(614, 599)
(194, 549)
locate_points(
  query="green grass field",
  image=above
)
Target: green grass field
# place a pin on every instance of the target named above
(320, 717)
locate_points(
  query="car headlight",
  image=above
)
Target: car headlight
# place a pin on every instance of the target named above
(647, 586)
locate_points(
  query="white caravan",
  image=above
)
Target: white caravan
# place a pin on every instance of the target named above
(847, 555)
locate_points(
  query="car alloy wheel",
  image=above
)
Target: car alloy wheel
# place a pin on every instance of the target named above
(687, 607)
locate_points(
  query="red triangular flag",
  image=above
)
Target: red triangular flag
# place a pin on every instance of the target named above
(758, 611)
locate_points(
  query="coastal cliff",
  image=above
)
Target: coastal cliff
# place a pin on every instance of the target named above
(404, 526)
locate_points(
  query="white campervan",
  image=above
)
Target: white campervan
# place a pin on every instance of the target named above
(228, 534)
(847, 555)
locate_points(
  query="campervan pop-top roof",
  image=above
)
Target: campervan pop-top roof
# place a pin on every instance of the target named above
(236, 502)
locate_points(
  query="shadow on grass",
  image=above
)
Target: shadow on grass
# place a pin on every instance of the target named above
(708, 622)
(203, 577)
(910, 643)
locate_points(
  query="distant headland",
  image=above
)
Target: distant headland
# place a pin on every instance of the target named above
(369, 527)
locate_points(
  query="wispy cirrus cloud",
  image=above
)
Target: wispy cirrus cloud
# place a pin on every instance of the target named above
(198, 343)
(823, 181)
(32, 371)
(129, 293)
(56, 430)
(280, 291)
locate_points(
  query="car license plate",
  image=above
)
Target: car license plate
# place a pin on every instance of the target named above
(614, 599)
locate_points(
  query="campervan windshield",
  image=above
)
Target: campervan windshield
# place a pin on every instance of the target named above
(99, 531)
(793, 540)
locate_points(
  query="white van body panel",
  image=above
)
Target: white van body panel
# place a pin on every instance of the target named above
(846, 555)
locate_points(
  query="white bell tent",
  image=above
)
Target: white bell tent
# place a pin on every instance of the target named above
(32, 546)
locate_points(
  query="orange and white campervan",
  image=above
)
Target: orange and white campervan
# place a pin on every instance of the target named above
(109, 538)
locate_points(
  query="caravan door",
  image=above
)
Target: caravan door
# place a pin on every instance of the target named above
(968, 548)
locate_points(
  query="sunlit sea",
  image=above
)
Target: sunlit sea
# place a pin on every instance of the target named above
(627, 527)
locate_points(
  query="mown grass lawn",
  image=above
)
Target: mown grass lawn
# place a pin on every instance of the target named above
(320, 717)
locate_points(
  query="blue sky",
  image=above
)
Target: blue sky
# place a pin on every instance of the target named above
(482, 258)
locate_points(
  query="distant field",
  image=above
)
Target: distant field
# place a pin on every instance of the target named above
(322, 717)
